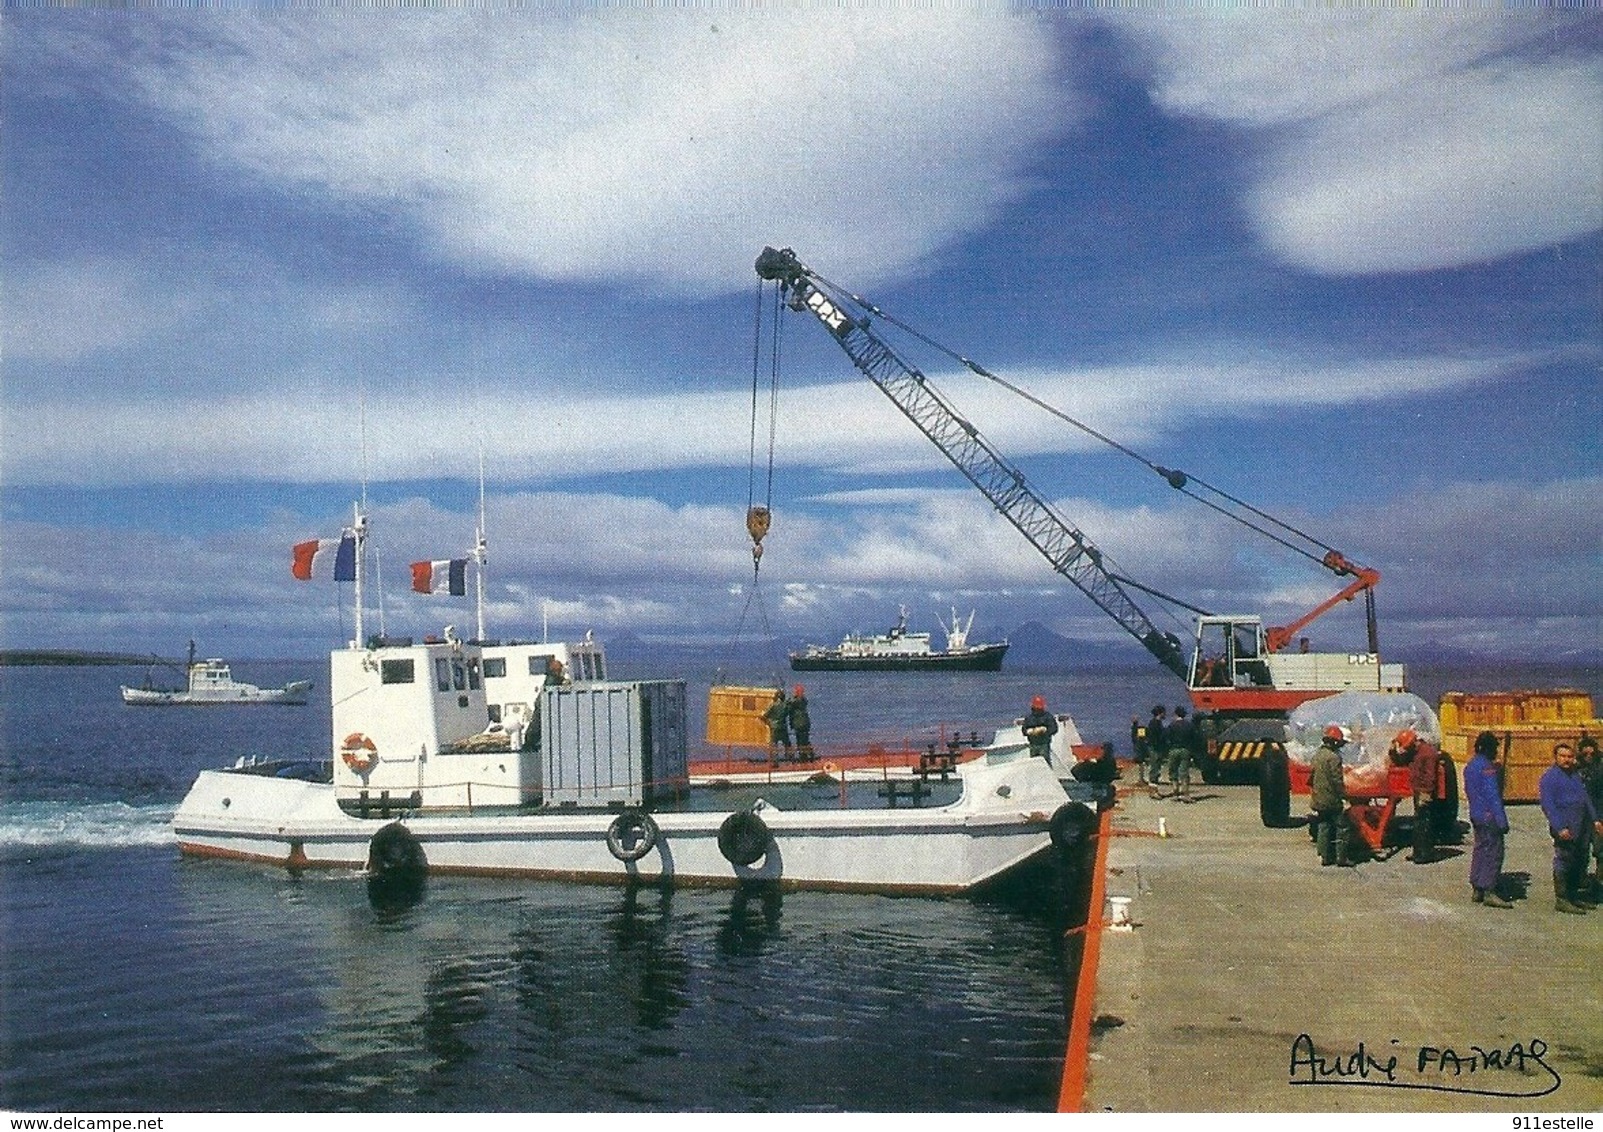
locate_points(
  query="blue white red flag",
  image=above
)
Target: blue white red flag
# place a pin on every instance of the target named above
(449, 574)
(312, 556)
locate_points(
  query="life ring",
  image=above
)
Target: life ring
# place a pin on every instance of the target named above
(743, 838)
(631, 835)
(359, 752)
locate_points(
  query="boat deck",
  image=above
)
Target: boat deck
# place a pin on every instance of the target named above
(1255, 980)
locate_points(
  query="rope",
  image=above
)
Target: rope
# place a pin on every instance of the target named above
(1180, 481)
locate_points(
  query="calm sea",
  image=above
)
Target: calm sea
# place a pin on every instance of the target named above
(133, 980)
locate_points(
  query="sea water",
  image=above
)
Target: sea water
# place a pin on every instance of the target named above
(132, 979)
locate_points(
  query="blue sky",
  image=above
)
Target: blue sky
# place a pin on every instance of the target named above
(1344, 263)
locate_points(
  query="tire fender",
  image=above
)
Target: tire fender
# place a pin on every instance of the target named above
(743, 838)
(631, 835)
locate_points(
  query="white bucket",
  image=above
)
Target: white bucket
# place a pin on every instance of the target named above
(1117, 914)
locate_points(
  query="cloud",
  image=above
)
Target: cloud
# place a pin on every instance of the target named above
(1393, 141)
(1455, 558)
(318, 437)
(656, 147)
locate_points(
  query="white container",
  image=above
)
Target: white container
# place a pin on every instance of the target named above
(612, 744)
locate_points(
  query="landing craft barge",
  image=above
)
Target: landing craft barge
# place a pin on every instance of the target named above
(901, 651)
(588, 781)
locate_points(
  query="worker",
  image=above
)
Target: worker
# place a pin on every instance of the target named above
(1488, 819)
(1329, 798)
(1039, 727)
(1101, 773)
(1138, 747)
(778, 719)
(1157, 746)
(1573, 822)
(800, 722)
(1591, 770)
(1425, 779)
(1181, 737)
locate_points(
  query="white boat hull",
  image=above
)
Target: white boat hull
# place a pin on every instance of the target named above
(1001, 823)
(295, 694)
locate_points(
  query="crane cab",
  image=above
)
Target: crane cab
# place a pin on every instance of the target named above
(1233, 671)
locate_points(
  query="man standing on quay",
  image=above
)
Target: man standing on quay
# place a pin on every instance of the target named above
(1488, 819)
(1572, 821)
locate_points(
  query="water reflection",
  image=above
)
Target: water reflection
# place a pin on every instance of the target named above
(752, 920)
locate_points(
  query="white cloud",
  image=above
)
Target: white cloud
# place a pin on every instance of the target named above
(849, 426)
(619, 563)
(657, 147)
(1394, 141)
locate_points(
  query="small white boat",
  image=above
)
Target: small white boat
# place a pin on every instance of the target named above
(587, 780)
(211, 681)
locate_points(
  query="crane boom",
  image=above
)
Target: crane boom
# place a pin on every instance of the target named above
(1065, 547)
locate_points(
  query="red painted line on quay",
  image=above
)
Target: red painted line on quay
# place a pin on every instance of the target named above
(1071, 1093)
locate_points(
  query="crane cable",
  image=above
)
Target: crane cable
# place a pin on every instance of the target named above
(1180, 481)
(759, 516)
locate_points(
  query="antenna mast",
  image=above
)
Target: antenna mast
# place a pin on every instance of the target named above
(480, 548)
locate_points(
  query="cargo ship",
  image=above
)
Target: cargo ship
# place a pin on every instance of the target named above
(898, 650)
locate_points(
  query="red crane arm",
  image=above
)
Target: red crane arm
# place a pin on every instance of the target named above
(1364, 579)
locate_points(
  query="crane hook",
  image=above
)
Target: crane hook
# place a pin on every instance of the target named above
(758, 520)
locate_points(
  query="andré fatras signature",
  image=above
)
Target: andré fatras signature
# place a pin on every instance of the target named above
(1517, 1070)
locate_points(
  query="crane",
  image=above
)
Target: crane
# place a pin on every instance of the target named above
(1239, 668)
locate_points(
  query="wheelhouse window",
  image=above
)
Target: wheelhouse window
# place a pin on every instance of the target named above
(442, 674)
(495, 667)
(397, 672)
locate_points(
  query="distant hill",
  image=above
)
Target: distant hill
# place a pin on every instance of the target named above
(23, 657)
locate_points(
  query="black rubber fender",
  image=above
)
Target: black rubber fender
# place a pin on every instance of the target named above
(631, 835)
(743, 838)
(1274, 788)
(396, 867)
(1071, 825)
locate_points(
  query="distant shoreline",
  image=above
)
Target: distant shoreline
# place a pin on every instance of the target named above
(76, 658)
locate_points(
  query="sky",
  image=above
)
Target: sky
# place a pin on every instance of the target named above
(259, 264)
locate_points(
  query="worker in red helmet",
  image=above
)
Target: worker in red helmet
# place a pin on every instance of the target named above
(1426, 780)
(1329, 798)
(1039, 727)
(801, 724)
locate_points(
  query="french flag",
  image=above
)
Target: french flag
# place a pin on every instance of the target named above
(312, 556)
(449, 574)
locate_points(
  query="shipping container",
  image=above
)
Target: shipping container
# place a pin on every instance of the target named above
(614, 744)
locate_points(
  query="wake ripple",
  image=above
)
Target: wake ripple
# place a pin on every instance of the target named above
(96, 825)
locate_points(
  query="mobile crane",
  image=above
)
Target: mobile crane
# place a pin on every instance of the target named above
(1240, 671)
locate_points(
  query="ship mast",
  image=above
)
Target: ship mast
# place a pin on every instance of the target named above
(480, 551)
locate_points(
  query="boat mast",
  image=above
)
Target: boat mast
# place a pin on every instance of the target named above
(480, 551)
(359, 532)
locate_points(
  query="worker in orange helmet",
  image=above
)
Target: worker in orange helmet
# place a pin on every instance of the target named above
(1328, 799)
(1039, 727)
(1425, 778)
(801, 724)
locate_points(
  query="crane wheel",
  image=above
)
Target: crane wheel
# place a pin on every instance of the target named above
(1274, 788)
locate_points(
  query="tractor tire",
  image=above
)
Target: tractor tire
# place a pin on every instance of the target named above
(1274, 789)
(1446, 809)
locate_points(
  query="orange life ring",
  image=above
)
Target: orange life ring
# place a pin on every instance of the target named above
(359, 752)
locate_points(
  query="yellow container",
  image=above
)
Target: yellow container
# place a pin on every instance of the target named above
(735, 716)
(1526, 723)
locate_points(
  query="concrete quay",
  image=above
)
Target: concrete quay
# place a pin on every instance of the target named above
(1252, 979)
